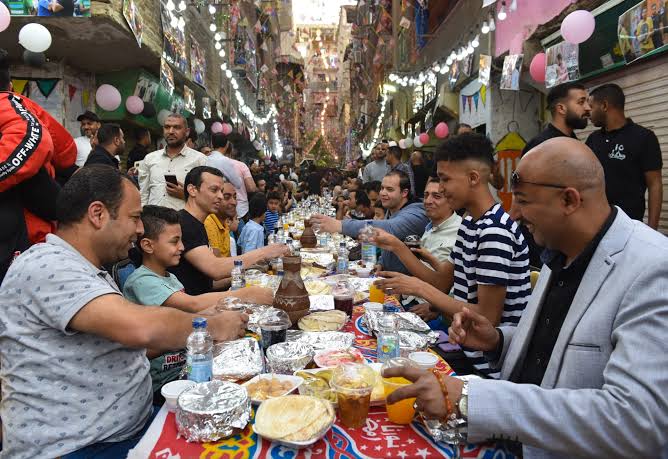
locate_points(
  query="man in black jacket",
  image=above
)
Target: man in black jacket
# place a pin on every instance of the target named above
(111, 143)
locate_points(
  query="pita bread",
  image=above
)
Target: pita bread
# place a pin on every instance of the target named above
(293, 418)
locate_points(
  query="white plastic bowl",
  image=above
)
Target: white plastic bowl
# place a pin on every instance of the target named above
(172, 390)
(424, 360)
(363, 272)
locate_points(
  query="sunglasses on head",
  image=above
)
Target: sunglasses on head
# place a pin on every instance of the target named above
(516, 180)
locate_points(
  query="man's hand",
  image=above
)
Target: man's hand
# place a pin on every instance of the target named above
(384, 240)
(326, 224)
(423, 254)
(423, 310)
(226, 325)
(399, 284)
(425, 389)
(133, 172)
(473, 330)
(274, 251)
(175, 190)
(255, 294)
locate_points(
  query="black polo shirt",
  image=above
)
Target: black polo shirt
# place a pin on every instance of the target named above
(193, 236)
(626, 154)
(550, 132)
(101, 156)
(564, 284)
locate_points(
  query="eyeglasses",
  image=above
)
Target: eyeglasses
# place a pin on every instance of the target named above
(516, 180)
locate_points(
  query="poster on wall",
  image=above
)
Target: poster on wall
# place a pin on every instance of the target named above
(134, 19)
(643, 29)
(512, 69)
(562, 64)
(166, 77)
(473, 107)
(189, 98)
(146, 88)
(178, 104)
(484, 69)
(45, 8)
(453, 76)
(197, 62)
(173, 42)
(466, 65)
(206, 108)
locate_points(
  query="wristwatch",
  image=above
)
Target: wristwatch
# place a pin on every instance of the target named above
(463, 403)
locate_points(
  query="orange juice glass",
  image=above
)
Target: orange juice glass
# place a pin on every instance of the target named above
(376, 295)
(401, 412)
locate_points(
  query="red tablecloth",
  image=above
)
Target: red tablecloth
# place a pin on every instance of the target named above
(379, 438)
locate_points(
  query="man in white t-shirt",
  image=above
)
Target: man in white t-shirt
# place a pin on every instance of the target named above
(220, 144)
(90, 123)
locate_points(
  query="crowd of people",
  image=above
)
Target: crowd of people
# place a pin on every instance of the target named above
(103, 272)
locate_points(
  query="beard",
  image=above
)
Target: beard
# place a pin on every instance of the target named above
(576, 122)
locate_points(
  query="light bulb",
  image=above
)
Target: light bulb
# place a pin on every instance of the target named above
(492, 24)
(212, 27)
(212, 9)
(182, 23)
(502, 12)
(182, 5)
(448, 61)
(217, 36)
(476, 42)
(470, 49)
(223, 66)
(437, 68)
(445, 69)
(218, 45)
(221, 53)
(174, 22)
(485, 28)
(228, 73)
(513, 5)
(170, 5)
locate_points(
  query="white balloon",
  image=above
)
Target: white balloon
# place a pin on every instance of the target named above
(35, 37)
(416, 142)
(199, 125)
(409, 142)
(162, 116)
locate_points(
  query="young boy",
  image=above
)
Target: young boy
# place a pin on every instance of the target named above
(378, 211)
(252, 235)
(271, 215)
(151, 284)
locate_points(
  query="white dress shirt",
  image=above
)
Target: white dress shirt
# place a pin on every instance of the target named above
(156, 165)
(83, 150)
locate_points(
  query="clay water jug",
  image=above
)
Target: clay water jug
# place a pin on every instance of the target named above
(308, 239)
(292, 296)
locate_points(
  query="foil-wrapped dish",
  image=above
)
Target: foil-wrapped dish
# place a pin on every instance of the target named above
(407, 321)
(295, 421)
(211, 411)
(321, 341)
(286, 358)
(237, 360)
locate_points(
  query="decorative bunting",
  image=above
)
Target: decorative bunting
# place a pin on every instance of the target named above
(46, 86)
(483, 94)
(476, 97)
(19, 86)
(71, 90)
(85, 97)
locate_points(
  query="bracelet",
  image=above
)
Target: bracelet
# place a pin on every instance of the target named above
(444, 389)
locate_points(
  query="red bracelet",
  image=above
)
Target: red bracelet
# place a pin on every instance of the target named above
(444, 390)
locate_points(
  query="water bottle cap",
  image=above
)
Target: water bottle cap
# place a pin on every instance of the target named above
(199, 322)
(342, 244)
(238, 263)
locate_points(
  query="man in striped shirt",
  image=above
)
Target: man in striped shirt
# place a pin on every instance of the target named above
(488, 269)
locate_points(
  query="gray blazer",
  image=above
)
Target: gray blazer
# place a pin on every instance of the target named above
(605, 391)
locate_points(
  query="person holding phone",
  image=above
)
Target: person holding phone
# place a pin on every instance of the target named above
(161, 174)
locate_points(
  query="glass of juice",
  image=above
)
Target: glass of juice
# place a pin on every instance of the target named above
(376, 295)
(353, 384)
(401, 412)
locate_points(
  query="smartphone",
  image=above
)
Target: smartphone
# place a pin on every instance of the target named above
(137, 163)
(171, 179)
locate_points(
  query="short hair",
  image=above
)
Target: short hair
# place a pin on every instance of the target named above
(378, 205)
(433, 180)
(372, 186)
(395, 151)
(611, 93)
(362, 199)
(155, 218)
(257, 205)
(458, 126)
(181, 117)
(5, 78)
(219, 140)
(273, 195)
(357, 182)
(141, 132)
(404, 181)
(194, 177)
(107, 133)
(467, 146)
(559, 93)
(90, 184)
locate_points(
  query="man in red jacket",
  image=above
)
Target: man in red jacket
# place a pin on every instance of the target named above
(33, 145)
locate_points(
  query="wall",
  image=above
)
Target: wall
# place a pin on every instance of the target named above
(522, 106)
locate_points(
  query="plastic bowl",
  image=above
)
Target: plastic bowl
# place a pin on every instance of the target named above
(363, 272)
(424, 360)
(172, 390)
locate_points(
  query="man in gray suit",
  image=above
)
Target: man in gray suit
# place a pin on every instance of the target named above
(586, 369)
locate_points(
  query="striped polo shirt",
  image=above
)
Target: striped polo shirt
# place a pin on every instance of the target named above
(491, 251)
(270, 219)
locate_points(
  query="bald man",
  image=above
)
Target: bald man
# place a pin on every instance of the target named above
(585, 369)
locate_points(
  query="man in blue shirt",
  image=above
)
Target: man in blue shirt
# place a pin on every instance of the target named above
(252, 235)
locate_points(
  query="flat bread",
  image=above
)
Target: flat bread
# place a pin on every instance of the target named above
(323, 321)
(293, 417)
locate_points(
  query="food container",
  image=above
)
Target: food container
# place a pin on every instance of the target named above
(266, 386)
(321, 302)
(316, 383)
(273, 328)
(353, 384)
(295, 421)
(371, 306)
(253, 277)
(237, 360)
(424, 360)
(333, 358)
(172, 390)
(410, 342)
(211, 411)
(231, 304)
(363, 272)
(286, 358)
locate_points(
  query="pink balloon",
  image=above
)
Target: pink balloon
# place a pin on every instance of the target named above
(537, 68)
(402, 144)
(442, 130)
(578, 26)
(108, 97)
(5, 17)
(134, 105)
(424, 138)
(217, 127)
(227, 129)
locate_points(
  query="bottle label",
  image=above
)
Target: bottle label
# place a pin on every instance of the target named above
(200, 371)
(388, 348)
(342, 266)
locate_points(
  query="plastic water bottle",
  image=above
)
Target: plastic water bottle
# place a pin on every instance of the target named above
(388, 339)
(342, 262)
(199, 358)
(368, 249)
(238, 280)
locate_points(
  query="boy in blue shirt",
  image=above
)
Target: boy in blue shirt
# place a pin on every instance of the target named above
(252, 235)
(271, 215)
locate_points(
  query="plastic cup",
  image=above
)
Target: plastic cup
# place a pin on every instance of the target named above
(353, 384)
(424, 360)
(401, 412)
(274, 330)
(376, 295)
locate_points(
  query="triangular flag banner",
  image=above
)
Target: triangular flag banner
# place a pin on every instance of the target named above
(483, 94)
(19, 86)
(476, 97)
(85, 97)
(46, 86)
(469, 99)
(464, 103)
(72, 90)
